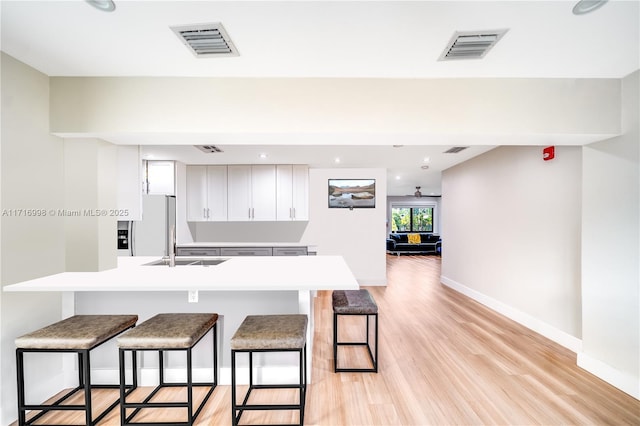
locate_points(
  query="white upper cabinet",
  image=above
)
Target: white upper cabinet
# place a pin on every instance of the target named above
(217, 193)
(292, 192)
(239, 193)
(300, 192)
(206, 193)
(160, 177)
(263, 192)
(129, 183)
(242, 193)
(251, 192)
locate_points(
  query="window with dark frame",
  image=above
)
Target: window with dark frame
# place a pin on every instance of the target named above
(412, 219)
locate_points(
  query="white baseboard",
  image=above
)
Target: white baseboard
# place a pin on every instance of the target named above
(149, 376)
(560, 337)
(372, 283)
(625, 382)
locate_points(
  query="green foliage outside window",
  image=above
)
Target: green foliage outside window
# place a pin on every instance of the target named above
(412, 219)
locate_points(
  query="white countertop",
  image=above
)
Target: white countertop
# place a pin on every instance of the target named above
(238, 273)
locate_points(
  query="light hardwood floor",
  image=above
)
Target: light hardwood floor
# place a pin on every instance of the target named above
(444, 360)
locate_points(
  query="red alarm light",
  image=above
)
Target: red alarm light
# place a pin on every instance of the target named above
(548, 153)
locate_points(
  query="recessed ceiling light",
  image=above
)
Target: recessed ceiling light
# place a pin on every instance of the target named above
(103, 5)
(426, 159)
(397, 177)
(424, 167)
(337, 160)
(263, 156)
(586, 6)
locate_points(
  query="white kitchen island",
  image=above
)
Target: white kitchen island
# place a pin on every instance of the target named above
(237, 287)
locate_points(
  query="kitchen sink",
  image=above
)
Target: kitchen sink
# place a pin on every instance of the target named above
(187, 262)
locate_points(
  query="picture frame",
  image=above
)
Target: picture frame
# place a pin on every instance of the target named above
(352, 193)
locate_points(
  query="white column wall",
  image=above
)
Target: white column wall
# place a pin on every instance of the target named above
(611, 249)
(512, 227)
(359, 234)
(90, 192)
(32, 246)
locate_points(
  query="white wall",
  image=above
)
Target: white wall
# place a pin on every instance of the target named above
(359, 234)
(90, 192)
(611, 242)
(334, 109)
(32, 178)
(512, 226)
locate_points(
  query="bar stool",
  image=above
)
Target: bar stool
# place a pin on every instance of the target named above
(162, 333)
(78, 334)
(355, 302)
(269, 333)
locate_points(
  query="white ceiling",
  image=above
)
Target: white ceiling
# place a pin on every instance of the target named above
(335, 39)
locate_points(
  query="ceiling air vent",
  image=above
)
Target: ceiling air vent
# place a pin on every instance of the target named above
(471, 44)
(206, 40)
(455, 149)
(209, 149)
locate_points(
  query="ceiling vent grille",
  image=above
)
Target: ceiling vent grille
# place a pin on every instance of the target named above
(455, 149)
(206, 40)
(471, 44)
(209, 149)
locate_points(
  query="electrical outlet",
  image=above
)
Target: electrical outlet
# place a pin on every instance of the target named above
(193, 296)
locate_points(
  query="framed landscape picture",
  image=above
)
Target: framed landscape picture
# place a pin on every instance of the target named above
(352, 193)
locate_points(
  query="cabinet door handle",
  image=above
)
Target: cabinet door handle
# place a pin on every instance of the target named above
(249, 212)
(204, 213)
(294, 212)
(290, 213)
(208, 213)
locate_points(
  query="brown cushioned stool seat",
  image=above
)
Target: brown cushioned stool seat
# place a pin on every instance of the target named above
(162, 333)
(269, 333)
(355, 302)
(78, 334)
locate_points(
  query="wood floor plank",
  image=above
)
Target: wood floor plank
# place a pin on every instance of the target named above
(444, 359)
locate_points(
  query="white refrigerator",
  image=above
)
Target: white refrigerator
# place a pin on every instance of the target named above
(151, 236)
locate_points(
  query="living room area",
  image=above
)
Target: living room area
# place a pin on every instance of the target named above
(414, 224)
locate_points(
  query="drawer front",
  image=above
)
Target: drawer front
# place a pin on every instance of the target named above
(289, 251)
(198, 251)
(246, 251)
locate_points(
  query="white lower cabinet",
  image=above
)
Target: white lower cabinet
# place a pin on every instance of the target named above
(208, 250)
(246, 251)
(198, 251)
(290, 251)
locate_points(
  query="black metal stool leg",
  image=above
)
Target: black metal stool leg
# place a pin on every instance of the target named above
(21, 402)
(189, 388)
(87, 387)
(234, 421)
(335, 342)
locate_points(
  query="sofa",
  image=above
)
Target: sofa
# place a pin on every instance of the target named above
(398, 242)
